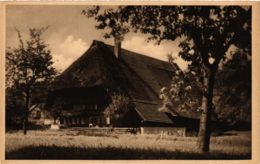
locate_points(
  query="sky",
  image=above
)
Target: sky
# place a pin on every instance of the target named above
(70, 33)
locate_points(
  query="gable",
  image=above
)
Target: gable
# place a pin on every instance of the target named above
(96, 67)
(75, 75)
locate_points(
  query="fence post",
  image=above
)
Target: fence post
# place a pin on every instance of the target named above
(141, 130)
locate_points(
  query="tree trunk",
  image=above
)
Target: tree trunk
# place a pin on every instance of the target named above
(205, 119)
(27, 107)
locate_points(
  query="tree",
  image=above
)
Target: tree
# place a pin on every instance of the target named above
(28, 67)
(182, 94)
(14, 107)
(56, 110)
(233, 89)
(208, 32)
(117, 109)
(232, 92)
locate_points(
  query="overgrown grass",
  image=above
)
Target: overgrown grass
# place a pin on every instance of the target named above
(70, 145)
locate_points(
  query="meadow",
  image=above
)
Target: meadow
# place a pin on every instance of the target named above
(64, 144)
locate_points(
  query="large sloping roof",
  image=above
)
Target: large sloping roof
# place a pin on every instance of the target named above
(141, 77)
(154, 73)
(97, 66)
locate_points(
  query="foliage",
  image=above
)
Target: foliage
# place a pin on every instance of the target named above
(118, 107)
(30, 63)
(182, 94)
(14, 105)
(56, 110)
(233, 89)
(208, 31)
(212, 26)
(28, 67)
(232, 95)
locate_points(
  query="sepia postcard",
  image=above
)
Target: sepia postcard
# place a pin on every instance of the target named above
(122, 81)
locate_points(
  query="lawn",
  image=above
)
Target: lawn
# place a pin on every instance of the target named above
(71, 145)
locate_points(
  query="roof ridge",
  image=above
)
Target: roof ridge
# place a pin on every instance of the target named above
(134, 52)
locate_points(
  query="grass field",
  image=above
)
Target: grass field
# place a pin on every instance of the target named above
(68, 145)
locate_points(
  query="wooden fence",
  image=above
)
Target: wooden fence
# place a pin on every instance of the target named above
(142, 130)
(87, 130)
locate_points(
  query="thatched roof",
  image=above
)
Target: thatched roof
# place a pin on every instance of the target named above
(97, 66)
(140, 77)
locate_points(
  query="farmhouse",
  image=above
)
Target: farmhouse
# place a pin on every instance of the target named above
(85, 88)
(39, 116)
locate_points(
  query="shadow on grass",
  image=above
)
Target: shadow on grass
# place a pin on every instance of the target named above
(110, 153)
